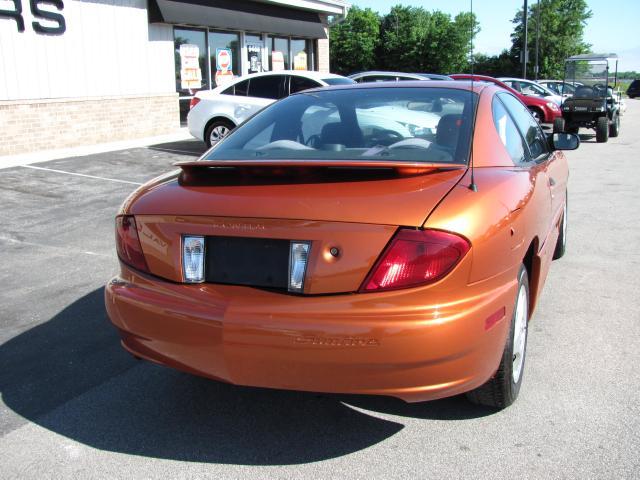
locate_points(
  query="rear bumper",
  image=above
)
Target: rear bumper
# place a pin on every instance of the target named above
(385, 343)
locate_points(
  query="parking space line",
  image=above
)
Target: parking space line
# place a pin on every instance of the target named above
(173, 150)
(80, 174)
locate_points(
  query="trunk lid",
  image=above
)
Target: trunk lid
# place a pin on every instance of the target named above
(375, 192)
(354, 211)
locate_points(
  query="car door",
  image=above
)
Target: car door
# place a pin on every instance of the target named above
(262, 90)
(539, 162)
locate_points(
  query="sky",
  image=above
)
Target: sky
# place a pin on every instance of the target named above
(612, 28)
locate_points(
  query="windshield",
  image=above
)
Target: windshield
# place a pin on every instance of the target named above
(590, 78)
(431, 125)
(338, 81)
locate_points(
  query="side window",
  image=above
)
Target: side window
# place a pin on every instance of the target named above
(229, 91)
(512, 84)
(299, 84)
(531, 131)
(531, 89)
(241, 88)
(269, 86)
(508, 132)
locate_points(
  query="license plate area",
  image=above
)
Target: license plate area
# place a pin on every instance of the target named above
(257, 262)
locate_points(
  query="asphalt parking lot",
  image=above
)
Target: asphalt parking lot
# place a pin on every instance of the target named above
(76, 405)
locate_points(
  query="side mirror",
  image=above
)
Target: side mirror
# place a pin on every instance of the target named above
(565, 141)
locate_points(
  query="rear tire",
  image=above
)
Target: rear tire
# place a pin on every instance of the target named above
(558, 125)
(216, 131)
(561, 244)
(602, 129)
(614, 128)
(502, 389)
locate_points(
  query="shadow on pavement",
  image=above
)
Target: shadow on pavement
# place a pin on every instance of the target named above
(71, 376)
(192, 147)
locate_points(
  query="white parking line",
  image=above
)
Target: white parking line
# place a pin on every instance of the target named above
(80, 174)
(173, 150)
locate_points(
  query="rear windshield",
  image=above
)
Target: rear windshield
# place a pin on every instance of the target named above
(431, 125)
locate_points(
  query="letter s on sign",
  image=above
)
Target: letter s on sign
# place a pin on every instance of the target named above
(46, 15)
(15, 14)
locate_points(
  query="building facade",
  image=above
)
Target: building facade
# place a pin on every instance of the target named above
(79, 72)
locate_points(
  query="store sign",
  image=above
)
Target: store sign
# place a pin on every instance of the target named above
(39, 13)
(190, 73)
(277, 61)
(224, 66)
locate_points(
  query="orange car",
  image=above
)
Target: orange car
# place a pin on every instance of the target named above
(387, 239)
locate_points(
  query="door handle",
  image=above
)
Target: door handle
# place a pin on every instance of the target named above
(552, 182)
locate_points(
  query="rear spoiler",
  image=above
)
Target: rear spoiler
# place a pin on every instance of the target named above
(286, 166)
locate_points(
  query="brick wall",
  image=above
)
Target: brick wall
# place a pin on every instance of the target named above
(323, 52)
(32, 125)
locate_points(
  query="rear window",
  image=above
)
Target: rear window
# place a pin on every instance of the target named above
(338, 81)
(404, 124)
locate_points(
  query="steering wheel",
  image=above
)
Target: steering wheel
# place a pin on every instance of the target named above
(384, 137)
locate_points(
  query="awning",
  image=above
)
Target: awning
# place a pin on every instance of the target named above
(238, 15)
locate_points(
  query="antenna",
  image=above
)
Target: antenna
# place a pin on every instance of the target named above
(472, 186)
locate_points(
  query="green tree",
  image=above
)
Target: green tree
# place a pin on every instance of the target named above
(562, 25)
(353, 42)
(413, 39)
(495, 66)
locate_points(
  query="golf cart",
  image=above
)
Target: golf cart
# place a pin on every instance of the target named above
(593, 104)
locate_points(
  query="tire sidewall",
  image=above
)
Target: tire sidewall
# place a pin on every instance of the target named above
(217, 123)
(513, 388)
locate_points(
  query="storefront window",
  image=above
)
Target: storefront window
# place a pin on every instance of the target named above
(224, 65)
(191, 69)
(300, 54)
(278, 53)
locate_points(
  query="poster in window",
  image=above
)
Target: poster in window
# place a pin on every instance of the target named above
(300, 61)
(224, 66)
(277, 61)
(190, 72)
(254, 57)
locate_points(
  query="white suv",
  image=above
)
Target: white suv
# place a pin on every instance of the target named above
(214, 113)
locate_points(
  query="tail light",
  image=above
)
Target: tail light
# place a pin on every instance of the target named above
(194, 101)
(128, 243)
(416, 257)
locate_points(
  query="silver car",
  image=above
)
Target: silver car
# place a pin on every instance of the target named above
(214, 113)
(531, 88)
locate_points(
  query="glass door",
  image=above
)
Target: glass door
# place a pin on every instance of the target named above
(191, 66)
(254, 48)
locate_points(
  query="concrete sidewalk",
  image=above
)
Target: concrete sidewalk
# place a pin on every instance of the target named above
(8, 161)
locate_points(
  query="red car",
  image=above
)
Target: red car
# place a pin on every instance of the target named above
(542, 110)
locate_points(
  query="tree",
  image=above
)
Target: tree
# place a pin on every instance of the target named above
(353, 42)
(562, 25)
(495, 66)
(413, 39)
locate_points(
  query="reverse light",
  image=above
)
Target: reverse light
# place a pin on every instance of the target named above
(194, 101)
(416, 257)
(193, 258)
(128, 243)
(298, 259)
